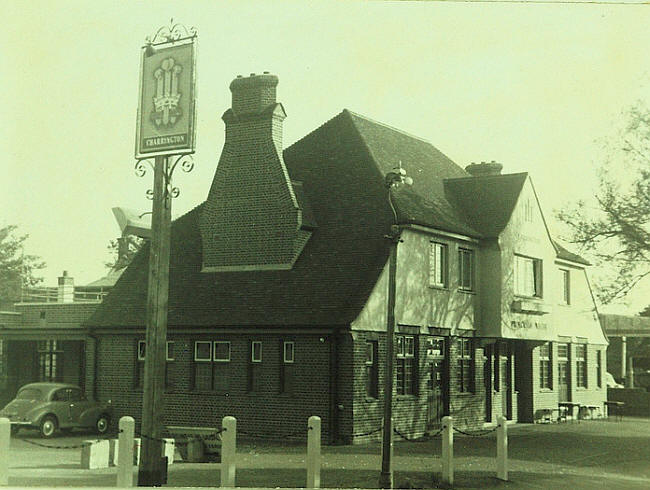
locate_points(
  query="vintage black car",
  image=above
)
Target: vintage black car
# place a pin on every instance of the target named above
(51, 406)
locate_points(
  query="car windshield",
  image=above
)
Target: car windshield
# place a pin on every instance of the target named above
(29, 394)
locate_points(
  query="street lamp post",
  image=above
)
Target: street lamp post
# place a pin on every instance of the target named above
(392, 180)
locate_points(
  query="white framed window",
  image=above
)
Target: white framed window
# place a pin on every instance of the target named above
(371, 371)
(202, 351)
(405, 367)
(221, 351)
(466, 365)
(289, 352)
(256, 351)
(437, 265)
(565, 279)
(465, 269)
(142, 348)
(528, 276)
(169, 350)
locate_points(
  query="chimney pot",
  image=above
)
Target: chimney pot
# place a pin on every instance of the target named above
(254, 94)
(239, 76)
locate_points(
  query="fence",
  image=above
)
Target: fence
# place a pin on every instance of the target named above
(228, 432)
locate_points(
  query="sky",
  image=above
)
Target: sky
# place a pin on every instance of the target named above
(536, 87)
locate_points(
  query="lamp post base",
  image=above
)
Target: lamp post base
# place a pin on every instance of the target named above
(386, 479)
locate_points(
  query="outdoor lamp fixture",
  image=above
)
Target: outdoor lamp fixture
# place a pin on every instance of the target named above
(392, 180)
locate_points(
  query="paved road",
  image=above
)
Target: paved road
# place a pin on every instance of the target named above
(586, 455)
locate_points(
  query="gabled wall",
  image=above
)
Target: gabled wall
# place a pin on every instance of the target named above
(416, 303)
(543, 318)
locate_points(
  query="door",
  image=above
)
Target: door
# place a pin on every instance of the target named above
(563, 384)
(487, 381)
(78, 405)
(436, 381)
(505, 372)
(435, 406)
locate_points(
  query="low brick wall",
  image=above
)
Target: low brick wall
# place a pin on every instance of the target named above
(637, 401)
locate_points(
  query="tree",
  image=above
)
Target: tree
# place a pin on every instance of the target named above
(615, 230)
(122, 251)
(17, 270)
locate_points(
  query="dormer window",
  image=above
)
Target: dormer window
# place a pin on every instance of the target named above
(528, 277)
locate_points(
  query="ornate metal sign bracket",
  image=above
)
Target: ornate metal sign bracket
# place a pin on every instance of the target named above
(173, 32)
(186, 162)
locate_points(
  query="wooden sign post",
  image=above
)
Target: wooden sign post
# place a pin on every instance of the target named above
(165, 131)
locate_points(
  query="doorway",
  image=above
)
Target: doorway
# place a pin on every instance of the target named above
(564, 374)
(436, 382)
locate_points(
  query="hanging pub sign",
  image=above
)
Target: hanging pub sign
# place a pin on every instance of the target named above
(166, 109)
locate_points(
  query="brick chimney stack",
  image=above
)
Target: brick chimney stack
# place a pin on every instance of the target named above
(484, 169)
(65, 293)
(251, 218)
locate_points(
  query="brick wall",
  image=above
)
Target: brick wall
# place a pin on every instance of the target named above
(410, 412)
(262, 412)
(251, 219)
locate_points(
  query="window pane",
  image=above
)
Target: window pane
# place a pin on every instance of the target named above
(288, 351)
(141, 350)
(222, 351)
(369, 355)
(202, 351)
(256, 352)
(170, 350)
(409, 346)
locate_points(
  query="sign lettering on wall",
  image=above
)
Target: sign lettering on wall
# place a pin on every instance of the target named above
(166, 111)
(525, 324)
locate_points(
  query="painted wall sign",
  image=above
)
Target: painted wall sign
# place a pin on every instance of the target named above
(519, 324)
(166, 110)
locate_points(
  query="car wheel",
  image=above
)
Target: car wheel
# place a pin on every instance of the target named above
(14, 429)
(101, 426)
(48, 426)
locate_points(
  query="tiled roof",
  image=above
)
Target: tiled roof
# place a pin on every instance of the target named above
(341, 166)
(486, 202)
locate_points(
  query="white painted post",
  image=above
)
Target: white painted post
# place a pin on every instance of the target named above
(502, 448)
(228, 450)
(313, 452)
(125, 452)
(5, 438)
(448, 450)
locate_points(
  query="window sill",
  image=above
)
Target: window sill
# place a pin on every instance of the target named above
(439, 287)
(465, 393)
(546, 390)
(582, 388)
(371, 399)
(466, 291)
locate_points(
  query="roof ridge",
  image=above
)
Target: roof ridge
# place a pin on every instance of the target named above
(393, 128)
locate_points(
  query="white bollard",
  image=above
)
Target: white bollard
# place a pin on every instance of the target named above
(125, 452)
(5, 438)
(448, 450)
(228, 450)
(313, 452)
(502, 448)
